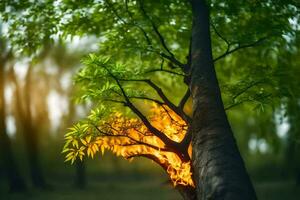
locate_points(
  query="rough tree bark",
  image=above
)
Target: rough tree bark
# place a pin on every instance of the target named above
(219, 170)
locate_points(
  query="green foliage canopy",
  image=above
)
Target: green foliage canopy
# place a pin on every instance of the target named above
(150, 40)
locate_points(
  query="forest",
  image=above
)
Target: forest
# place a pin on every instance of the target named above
(141, 99)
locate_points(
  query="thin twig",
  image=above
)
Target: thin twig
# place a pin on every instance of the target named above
(228, 52)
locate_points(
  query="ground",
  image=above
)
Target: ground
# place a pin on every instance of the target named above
(109, 178)
(139, 188)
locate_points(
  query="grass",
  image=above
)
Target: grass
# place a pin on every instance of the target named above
(286, 190)
(139, 189)
(121, 180)
(132, 189)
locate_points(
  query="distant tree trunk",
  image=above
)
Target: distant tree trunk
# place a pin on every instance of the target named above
(293, 147)
(31, 136)
(80, 173)
(219, 170)
(29, 131)
(80, 178)
(80, 170)
(16, 182)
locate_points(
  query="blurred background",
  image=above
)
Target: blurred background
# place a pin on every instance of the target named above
(37, 107)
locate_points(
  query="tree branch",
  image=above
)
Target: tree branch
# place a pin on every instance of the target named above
(167, 141)
(228, 52)
(151, 157)
(184, 99)
(165, 70)
(171, 56)
(172, 119)
(220, 36)
(114, 101)
(159, 91)
(133, 22)
(147, 98)
(247, 100)
(173, 60)
(137, 142)
(154, 27)
(245, 89)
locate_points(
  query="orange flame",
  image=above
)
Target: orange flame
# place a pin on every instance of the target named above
(129, 138)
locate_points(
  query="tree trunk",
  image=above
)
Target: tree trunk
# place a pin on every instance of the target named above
(292, 147)
(28, 130)
(31, 137)
(219, 170)
(16, 182)
(80, 178)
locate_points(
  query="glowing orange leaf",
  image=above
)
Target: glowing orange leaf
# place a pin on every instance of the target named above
(129, 138)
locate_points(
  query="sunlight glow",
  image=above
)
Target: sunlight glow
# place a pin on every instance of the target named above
(282, 125)
(129, 138)
(260, 145)
(11, 125)
(58, 106)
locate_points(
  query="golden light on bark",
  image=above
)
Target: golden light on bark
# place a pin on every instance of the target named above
(129, 138)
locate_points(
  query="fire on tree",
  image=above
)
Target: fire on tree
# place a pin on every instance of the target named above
(129, 138)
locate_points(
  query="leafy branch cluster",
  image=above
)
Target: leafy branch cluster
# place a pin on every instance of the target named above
(160, 135)
(129, 137)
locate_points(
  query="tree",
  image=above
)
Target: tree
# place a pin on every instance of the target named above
(146, 48)
(66, 62)
(290, 83)
(28, 130)
(16, 182)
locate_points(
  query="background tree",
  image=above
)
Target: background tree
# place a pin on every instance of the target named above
(27, 128)
(16, 182)
(68, 61)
